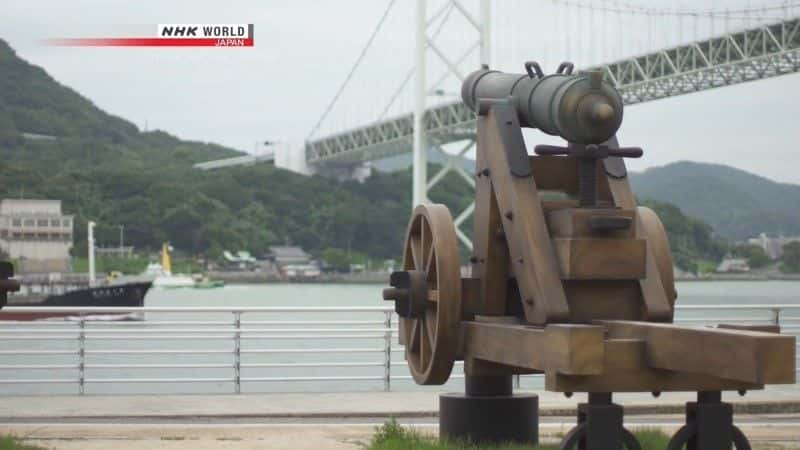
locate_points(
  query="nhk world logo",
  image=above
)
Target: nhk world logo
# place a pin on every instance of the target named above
(174, 35)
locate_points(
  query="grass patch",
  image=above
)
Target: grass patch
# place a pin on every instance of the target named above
(392, 436)
(11, 443)
(652, 438)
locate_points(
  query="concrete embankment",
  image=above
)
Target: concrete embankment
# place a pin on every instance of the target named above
(237, 277)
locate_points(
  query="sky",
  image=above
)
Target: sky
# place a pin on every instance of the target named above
(278, 89)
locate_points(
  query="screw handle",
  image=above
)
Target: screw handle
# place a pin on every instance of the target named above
(587, 156)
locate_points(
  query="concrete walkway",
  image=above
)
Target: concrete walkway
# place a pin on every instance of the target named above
(94, 437)
(331, 421)
(781, 399)
(340, 437)
(768, 433)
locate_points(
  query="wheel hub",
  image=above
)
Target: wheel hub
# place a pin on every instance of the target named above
(409, 292)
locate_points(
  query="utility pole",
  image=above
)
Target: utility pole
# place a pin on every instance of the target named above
(121, 238)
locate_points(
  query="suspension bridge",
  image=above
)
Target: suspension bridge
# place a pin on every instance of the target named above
(650, 51)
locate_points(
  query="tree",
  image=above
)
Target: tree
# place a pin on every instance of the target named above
(337, 259)
(755, 255)
(690, 240)
(791, 257)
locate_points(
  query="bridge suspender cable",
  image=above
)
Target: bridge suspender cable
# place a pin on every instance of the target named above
(410, 72)
(353, 69)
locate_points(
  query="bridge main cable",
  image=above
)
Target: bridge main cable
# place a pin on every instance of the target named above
(353, 69)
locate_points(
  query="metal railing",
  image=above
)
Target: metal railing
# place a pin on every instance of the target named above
(244, 345)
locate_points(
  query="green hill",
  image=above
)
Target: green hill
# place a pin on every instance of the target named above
(105, 169)
(736, 203)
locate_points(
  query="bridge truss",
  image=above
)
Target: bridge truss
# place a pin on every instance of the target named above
(753, 54)
(749, 55)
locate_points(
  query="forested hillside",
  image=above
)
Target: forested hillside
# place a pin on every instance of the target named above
(736, 203)
(105, 169)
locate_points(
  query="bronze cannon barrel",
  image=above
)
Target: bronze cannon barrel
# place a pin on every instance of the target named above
(581, 108)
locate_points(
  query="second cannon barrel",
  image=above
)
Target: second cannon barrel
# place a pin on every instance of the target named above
(581, 108)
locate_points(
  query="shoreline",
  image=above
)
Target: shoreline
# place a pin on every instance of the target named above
(383, 278)
(741, 277)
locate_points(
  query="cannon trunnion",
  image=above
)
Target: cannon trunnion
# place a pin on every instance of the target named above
(569, 278)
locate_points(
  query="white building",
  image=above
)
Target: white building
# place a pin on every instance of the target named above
(36, 234)
(733, 265)
(773, 247)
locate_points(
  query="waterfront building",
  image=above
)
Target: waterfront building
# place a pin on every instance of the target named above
(36, 234)
(285, 255)
(241, 260)
(733, 265)
(773, 246)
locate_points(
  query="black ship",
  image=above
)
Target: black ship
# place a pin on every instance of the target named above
(122, 295)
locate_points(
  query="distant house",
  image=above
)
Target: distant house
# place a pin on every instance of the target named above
(733, 265)
(37, 234)
(242, 260)
(285, 255)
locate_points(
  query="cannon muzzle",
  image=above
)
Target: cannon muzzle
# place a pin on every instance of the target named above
(580, 108)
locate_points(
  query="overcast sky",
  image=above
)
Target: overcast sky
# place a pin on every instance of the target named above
(304, 48)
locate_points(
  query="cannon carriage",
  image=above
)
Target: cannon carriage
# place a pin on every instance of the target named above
(569, 278)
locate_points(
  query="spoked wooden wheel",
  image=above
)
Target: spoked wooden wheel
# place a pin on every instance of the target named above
(431, 312)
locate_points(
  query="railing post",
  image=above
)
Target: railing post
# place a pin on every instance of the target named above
(81, 354)
(237, 351)
(776, 316)
(387, 341)
(516, 381)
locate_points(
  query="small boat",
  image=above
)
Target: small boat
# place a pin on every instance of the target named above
(301, 272)
(162, 273)
(206, 283)
(114, 293)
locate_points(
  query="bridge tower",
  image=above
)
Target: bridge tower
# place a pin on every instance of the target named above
(481, 25)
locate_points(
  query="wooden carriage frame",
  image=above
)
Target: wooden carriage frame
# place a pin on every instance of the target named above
(584, 295)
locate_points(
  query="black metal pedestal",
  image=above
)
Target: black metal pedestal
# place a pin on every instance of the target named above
(599, 427)
(489, 412)
(709, 426)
